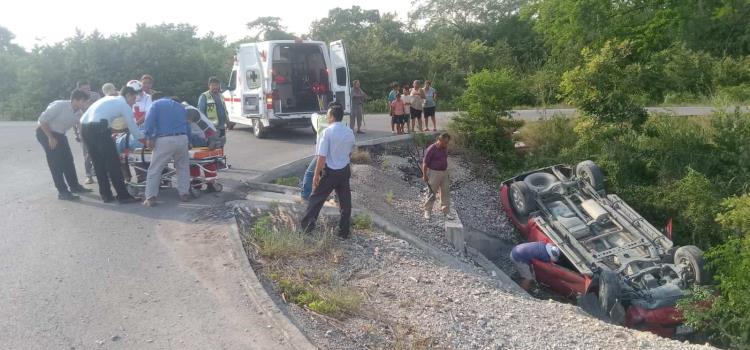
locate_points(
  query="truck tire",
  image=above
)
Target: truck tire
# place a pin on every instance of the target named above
(692, 257)
(591, 173)
(259, 130)
(539, 181)
(609, 291)
(522, 198)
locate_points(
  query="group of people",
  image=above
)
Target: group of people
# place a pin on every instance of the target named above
(146, 117)
(330, 170)
(410, 105)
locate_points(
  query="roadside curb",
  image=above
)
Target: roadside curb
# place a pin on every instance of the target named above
(255, 291)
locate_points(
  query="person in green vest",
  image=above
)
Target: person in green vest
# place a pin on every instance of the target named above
(211, 103)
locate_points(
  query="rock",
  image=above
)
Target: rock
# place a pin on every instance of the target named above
(115, 337)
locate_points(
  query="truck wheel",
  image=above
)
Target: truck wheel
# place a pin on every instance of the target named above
(259, 130)
(609, 291)
(591, 173)
(522, 198)
(691, 257)
(539, 181)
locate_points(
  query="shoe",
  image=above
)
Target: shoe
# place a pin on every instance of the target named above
(80, 189)
(449, 216)
(127, 200)
(151, 202)
(360, 132)
(343, 235)
(184, 198)
(89, 180)
(67, 196)
(109, 199)
(427, 215)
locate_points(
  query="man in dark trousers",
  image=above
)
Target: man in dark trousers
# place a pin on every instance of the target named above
(332, 171)
(59, 117)
(96, 129)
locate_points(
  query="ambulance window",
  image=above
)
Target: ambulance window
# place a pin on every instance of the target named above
(341, 76)
(252, 77)
(233, 81)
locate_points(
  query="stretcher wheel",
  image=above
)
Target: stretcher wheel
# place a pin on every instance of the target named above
(195, 192)
(218, 187)
(133, 190)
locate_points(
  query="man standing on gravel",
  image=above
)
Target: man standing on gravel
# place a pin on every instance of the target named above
(332, 172)
(435, 174)
(522, 254)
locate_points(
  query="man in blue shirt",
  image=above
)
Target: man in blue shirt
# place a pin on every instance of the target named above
(524, 253)
(332, 172)
(96, 129)
(167, 129)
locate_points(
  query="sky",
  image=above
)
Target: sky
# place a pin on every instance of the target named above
(59, 19)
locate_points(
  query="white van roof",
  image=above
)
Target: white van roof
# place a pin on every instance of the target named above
(284, 42)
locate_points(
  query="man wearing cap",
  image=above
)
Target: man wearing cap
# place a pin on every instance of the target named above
(211, 103)
(524, 253)
(58, 118)
(143, 101)
(96, 129)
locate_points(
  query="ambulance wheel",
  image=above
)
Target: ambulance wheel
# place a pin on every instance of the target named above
(259, 130)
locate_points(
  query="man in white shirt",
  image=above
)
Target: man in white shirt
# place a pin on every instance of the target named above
(143, 102)
(59, 117)
(332, 172)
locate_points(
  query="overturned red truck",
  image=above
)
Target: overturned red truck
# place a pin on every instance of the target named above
(609, 253)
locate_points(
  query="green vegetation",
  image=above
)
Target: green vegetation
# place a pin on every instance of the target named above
(310, 285)
(291, 181)
(361, 222)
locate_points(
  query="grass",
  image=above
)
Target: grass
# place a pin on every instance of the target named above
(361, 222)
(299, 263)
(389, 196)
(291, 181)
(361, 156)
(422, 140)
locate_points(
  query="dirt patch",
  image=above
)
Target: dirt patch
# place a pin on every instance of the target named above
(404, 300)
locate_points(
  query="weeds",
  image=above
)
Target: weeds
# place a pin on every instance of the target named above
(361, 156)
(298, 263)
(361, 222)
(389, 197)
(291, 181)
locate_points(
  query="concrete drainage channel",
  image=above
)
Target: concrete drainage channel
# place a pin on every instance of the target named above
(483, 249)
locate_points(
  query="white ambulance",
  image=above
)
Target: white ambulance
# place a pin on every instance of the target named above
(281, 83)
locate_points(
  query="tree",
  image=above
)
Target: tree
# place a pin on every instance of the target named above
(269, 28)
(607, 85)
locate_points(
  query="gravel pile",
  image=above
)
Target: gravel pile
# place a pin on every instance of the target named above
(412, 303)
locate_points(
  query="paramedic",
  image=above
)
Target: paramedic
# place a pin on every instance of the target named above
(88, 167)
(53, 123)
(167, 130)
(97, 136)
(144, 100)
(320, 123)
(211, 103)
(332, 172)
(522, 254)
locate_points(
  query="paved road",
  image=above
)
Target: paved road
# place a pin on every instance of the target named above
(75, 275)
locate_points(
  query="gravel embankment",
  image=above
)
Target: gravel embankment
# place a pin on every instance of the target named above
(410, 302)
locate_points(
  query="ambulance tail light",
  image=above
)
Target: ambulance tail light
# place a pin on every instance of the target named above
(269, 101)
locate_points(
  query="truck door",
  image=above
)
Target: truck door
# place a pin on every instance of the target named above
(250, 78)
(340, 75)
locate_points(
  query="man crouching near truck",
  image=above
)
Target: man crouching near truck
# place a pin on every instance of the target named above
(522, 254)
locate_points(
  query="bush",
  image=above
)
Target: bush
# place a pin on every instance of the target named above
(377, 106)
(291, 181)
(361, 222)
(486, 126)
(726, 316)
(608, 85)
